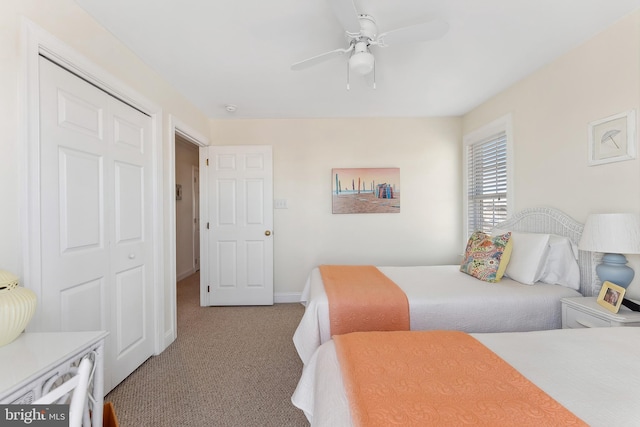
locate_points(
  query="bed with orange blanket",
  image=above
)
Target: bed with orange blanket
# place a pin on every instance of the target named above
(442, 297)
(556, 378)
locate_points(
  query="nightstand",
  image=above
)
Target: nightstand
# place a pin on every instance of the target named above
(585, 312)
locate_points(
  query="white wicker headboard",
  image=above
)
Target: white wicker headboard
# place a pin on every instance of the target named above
(553, 221)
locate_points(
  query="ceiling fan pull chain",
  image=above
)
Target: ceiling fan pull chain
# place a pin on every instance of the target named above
(374, 75)
(348, 76)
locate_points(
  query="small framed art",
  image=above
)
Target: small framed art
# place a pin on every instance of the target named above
(613, 139)
(611, 296)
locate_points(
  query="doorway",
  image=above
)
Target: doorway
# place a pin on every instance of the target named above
(187, 215)
(179, 131)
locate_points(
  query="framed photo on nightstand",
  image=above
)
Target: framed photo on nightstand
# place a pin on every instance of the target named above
(611, 296)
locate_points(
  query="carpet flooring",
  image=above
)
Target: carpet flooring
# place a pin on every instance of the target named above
(230, 366)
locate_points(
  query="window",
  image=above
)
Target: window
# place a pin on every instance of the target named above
(487, 177)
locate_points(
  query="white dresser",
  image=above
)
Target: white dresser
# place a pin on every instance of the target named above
(36, 358)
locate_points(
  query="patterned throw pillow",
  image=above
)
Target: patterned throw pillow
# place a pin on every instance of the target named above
(486, 257)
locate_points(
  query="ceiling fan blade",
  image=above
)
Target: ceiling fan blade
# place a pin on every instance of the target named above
(309, 62)
(431, 30)
(347, 14)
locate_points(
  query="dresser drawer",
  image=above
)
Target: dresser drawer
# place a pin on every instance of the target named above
(575, 319)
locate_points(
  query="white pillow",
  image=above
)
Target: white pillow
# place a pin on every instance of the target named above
(561, 266)
(528, 256)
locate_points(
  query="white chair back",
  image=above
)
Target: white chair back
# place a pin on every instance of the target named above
(78, 386)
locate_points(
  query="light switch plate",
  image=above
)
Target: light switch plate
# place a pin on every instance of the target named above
(280, 204)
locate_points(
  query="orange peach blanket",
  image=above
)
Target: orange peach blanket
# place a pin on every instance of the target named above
(361, 298)
(436, 378)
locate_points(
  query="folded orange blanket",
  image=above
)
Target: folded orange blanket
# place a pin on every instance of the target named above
(361, 298)
(431, 378)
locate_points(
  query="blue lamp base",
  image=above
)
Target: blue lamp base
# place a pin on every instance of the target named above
(615, 270)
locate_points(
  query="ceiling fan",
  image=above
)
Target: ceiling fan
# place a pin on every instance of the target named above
(361, 32)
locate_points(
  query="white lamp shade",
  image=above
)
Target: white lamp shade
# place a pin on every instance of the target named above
(611, 233)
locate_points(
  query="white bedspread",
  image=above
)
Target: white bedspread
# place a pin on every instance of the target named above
(441, 297)
(595, 373)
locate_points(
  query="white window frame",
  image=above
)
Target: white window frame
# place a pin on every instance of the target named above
(502, 124)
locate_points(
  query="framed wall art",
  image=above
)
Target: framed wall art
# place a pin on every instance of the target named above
(613, 139)
(365, 190)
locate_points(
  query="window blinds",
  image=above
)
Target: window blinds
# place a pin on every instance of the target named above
(487, 182)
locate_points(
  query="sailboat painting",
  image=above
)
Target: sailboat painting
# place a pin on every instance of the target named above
(365, 190)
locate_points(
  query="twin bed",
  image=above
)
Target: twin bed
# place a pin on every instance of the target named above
(442, 297)
(576, 371)
(593, 373)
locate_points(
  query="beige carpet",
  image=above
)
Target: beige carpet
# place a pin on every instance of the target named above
(230, 366)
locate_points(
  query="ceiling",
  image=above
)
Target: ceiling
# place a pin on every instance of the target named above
(239, 52)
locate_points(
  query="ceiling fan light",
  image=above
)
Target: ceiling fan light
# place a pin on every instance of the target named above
(361, 63)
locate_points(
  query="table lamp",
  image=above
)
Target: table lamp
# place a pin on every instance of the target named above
(613, 234)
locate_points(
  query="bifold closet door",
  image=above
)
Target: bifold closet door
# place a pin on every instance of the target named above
(96, 235)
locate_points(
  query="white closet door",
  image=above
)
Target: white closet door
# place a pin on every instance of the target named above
(96, 233)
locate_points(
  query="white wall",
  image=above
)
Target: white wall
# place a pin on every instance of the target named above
(551, 112)
(186, 158)
(427, 229)
(66, 21)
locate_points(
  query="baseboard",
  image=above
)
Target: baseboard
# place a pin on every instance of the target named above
(286, 297)
(169, 337)
(185, 274)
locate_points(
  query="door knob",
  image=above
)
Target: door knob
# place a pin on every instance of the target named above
(132, 256)
(267, 233)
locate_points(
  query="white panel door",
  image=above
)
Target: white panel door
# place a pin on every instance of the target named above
(239, 240)
(95, 165)
(131, 238)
